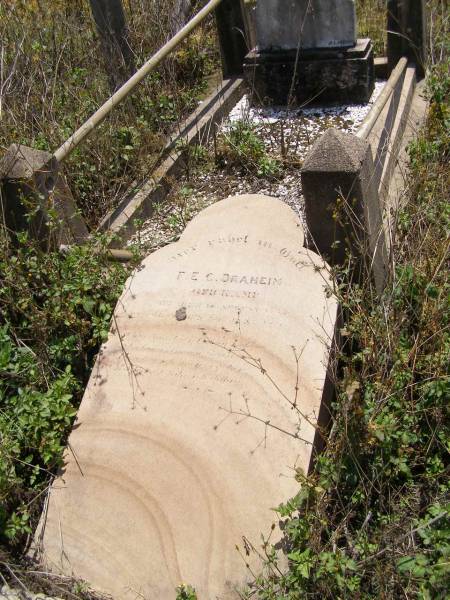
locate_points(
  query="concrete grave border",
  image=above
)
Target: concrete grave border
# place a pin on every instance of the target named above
(197, 128)
(139, 200)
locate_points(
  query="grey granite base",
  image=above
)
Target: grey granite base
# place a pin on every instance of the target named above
(312, 77)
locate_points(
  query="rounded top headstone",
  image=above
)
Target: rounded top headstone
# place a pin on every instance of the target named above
(203, 403)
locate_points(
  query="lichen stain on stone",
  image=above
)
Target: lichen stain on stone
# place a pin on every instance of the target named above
(180, 314)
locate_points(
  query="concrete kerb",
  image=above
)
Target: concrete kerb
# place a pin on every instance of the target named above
(138, 204)
(380, 64)
(397, 130)
(385, 140)
(399, 181)
(388, 129)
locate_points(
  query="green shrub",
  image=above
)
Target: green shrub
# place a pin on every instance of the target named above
(373, 518)
(55, 311)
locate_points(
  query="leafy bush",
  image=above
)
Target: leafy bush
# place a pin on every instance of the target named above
(55, 311)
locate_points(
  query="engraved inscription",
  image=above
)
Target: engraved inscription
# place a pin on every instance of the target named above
(184, 252)
(229, 239)
(224, 293)
(237, 278)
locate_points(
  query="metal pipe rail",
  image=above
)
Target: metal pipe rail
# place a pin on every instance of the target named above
(389, 88)
(75, 139)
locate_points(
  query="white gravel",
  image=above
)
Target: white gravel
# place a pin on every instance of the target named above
(300, 126)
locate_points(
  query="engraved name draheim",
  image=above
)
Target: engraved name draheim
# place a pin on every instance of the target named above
(235, 278)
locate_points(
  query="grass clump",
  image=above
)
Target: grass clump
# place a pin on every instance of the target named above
(372, 23)
(241, 148)
(373, 519)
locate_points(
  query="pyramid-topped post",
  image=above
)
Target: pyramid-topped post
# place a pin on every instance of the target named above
(34, 193)
(308, 51)
(343, 212)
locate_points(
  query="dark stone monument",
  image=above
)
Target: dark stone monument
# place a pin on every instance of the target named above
(308, 52)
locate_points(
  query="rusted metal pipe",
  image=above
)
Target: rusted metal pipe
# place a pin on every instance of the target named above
(69, 145)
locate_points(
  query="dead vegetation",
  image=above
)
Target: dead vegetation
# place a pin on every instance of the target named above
(53, 76)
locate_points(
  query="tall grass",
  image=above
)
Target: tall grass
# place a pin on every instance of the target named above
(372, 21)
(373, 518)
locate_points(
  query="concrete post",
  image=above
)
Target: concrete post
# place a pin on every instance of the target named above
(406, 25)
(34, 192)
(343, 212)
(231, 31)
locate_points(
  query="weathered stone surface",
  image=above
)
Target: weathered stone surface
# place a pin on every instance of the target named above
(289, 24)
(342, 205)
(202, 404)
(32, 182)
(315, 76)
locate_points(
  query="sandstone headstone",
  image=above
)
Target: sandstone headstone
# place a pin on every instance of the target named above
(306, 24)
(203, 403)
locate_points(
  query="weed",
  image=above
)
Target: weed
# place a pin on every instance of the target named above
(55, 311)
(186, 592)
(241, 147)
(373, 518)
(372, 23)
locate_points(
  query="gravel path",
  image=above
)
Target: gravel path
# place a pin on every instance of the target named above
(287, 133)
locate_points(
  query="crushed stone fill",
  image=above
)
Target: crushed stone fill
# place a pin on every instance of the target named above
(300, 126)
